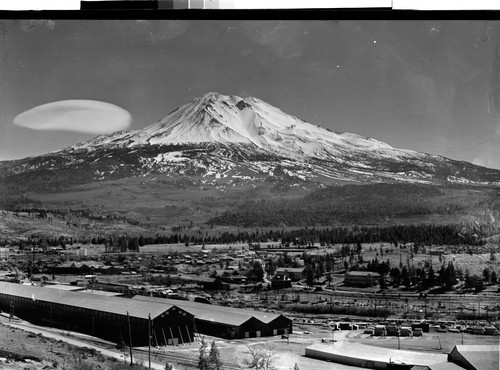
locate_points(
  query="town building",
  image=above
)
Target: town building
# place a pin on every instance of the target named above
(361, 279)
(294, 273)
(281, 281)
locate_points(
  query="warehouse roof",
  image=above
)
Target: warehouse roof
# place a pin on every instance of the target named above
(476, 356)
(114, 305)
(221, 314)
(202, 311)
(227, 318)
(358, 354)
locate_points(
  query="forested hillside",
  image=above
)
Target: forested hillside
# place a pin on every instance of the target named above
(367, 204)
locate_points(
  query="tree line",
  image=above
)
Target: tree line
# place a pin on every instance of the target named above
(398, 235)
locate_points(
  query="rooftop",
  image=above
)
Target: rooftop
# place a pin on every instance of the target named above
(64, 287)
(290, 269)
(362, 273)
(115, 305)
(221, 314)
(477, 356)
(364, 352)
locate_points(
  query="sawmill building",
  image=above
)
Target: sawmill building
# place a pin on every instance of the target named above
(228, 322)
(112, 318)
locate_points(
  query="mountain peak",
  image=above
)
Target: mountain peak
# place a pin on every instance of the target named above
(210, 96)
(230, 119)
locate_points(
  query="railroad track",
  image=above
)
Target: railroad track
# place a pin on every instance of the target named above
(161, 357)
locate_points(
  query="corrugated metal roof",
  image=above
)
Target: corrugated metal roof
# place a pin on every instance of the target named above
(221, 314)
(115, 305)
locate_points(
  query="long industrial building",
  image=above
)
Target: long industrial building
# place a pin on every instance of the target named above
(117, 319)
(112, 318)
(228, 322)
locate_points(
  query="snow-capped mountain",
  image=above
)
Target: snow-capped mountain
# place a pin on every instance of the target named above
(229, 138)
(215, 118)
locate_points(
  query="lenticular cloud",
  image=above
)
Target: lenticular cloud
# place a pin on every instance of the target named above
(87, 116)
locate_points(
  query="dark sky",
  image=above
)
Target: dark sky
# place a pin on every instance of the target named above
(430, 86)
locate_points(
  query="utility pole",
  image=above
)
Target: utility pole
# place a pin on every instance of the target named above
(149, 340)
(425, 307)
(129, 339)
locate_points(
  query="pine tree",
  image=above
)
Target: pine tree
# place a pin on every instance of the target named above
(486, 275)
(467, 278)
(309, 275)
(431, 277)
(214, 361)
(202, 359)
(493, 277)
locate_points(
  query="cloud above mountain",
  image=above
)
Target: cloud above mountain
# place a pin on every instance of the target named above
(85, 116)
